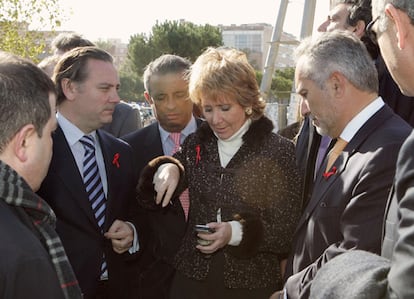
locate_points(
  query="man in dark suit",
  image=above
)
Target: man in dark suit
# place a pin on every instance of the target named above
(94, 231)
(391, 275)
(353, 16)
(336, 76)
(33, 261)
(166, 90)
(310, 151)
(125, 119)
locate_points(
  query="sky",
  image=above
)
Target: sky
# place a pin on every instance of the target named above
(100, 19)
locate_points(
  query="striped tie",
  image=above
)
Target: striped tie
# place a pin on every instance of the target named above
(184, 197)
(93, 184)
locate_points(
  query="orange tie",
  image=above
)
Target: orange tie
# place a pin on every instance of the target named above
(184, 197)
(335, 152)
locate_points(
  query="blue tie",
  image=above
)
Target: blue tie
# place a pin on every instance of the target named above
(92, 180)
(93, 184)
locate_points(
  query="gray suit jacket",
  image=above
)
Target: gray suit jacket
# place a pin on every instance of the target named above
(398, 243)
(355, 274)
(125, 119)
(346, 208)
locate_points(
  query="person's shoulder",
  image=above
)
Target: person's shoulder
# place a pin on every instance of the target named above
(355, 272)
(280, 142)
(291, 131)
(19, 241)
(199, 121)
(138, 135)
(109, 139)
(408, 145)
(394, 125)
(124, 107)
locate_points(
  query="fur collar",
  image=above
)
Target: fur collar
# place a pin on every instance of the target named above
(259, 130)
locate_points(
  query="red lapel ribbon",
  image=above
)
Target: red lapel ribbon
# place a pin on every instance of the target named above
(115, 161)
(198, 157)
(326, 175)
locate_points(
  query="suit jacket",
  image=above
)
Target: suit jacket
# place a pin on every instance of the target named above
(346, 208)
(291, 131)
(64, 190)
(354, 274)
(125, 119)
(167, 225)
(399, 225)
(26, 269)
(360, 274)
(401, 104)
(365, 275)
(306, 150)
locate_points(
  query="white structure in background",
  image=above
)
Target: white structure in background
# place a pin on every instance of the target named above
(254, 39)
(268, 48)
(288, 112)
(279, 115)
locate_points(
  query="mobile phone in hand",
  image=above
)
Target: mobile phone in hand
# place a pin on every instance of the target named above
(203, 228)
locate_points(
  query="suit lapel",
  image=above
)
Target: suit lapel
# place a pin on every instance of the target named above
(110, 158)
(153, 141)
(65, 167)
(324, 183)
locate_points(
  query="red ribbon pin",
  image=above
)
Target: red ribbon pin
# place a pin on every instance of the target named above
(115, 161)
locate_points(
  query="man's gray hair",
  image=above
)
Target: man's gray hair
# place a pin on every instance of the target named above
(378, 9)
(337, 51)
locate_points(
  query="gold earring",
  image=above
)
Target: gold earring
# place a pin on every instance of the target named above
(248, 111)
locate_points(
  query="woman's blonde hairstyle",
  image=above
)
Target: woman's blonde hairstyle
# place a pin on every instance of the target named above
(220, 73)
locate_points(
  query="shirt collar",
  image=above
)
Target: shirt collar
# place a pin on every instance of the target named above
(360, 119)
(72, 133)
(191, 127)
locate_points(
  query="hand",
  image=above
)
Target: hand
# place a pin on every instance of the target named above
(121, 235)
(277, 295)
(221, 237)
(165, 181)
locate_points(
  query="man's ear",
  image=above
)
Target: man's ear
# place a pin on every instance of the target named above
(148, 98)
(22, 142)
(359, 29)
(68, 88)
(337, 84)
(401, 21)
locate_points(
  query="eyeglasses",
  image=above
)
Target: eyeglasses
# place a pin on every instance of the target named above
(369, 32)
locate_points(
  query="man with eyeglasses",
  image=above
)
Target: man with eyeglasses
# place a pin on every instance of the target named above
(360, 274)
(356, 16)
(352, 16)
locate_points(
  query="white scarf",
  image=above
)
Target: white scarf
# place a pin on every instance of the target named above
(228, 147)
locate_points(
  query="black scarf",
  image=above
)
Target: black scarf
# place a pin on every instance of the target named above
(16, 192)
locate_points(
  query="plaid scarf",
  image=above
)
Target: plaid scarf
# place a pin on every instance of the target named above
(16, 192)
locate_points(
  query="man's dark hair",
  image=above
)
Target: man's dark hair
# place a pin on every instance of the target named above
(69, 40)
(165, 64)
(74, 66)
(24, 96)
(360, 10)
